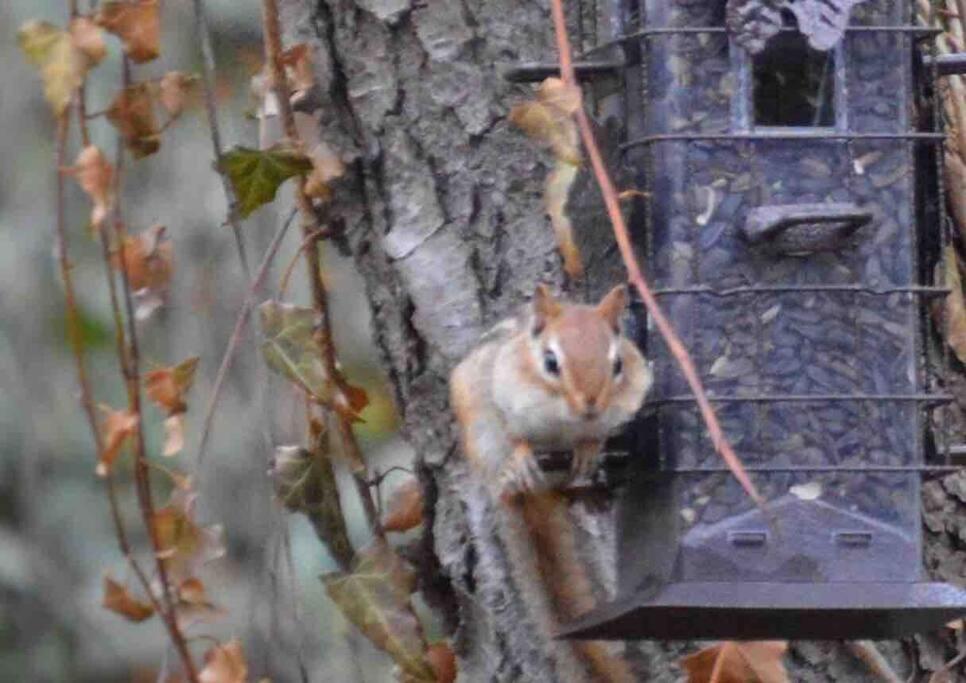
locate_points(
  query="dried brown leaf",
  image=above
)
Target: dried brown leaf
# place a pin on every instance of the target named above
(132, 113)
(376, 598)
(738, 662)
(224, 664)
(326, 167)
(167, 386)
(443, 661)
(117, 426)
(95, 175)
(183, 545)
(556, 193)
(147, 258)
(405, 510)
(174, 91)
(137, 24)
(62, 66)
(118, 599)
(297, 61)
(193, 603)
(549, 119)
(555, 93)
(88, 38)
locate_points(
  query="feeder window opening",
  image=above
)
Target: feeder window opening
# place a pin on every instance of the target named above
(793, 84)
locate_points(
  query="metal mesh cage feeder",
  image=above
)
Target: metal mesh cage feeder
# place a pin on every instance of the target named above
(795, 214)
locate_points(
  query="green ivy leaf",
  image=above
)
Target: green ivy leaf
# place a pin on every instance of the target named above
(256, 174)
(375, 597)
(292, 350)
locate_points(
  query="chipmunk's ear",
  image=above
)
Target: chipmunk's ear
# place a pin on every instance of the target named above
(612, 306)
(543, 308)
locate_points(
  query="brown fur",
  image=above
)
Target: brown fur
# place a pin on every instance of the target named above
(570, 589)
(535, 527)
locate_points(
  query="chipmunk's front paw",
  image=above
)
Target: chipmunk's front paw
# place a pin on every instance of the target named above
(521, 473)
(585, 458)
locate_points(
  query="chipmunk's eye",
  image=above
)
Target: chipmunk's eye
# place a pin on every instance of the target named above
(550, 363)
(618, 366)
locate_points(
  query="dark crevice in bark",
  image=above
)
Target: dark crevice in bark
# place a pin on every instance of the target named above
(436, 586)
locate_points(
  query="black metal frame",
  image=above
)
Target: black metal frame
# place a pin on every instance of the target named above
(646, 606)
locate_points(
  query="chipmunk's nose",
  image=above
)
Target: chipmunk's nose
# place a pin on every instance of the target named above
(590, 408)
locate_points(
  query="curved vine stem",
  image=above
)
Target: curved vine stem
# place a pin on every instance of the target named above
(312, 234)
(634, 273)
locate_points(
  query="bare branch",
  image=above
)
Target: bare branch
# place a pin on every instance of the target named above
(243, 315)
(310, 231)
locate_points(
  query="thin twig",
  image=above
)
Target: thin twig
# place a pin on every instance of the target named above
(70, 300)
(866, 651)
(233, 219)
(310, 226)
(208, 84)
(124, 545)
(142, 475)
(635, 275)
(307, 242)
(243, 315)
(948, 666)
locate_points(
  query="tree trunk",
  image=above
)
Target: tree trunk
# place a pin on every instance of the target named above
(443, 210)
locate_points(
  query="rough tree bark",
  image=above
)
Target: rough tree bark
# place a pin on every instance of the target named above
(444, 214)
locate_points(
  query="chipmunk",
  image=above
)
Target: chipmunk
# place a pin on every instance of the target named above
(561, 376)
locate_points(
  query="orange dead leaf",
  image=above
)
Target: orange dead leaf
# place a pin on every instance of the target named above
(193, 603)
(192, 591)
(356, 399)
(167, 386)
(95, 175)
(132, 113)
(555, 93)
(443, 661)
(555, 195)
(297, 61)
(405, 508)
(549, 118)
(88, 38)
(182, 544)
(174, 90)
(137, 24)
(738, 662)
(326, 167)
(225, 664)
(146, 258)
(118, 599)
(116, 428)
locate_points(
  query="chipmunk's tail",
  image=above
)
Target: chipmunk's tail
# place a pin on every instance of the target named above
(560, 585)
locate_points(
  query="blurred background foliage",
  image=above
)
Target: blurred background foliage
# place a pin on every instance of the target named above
(56, 540)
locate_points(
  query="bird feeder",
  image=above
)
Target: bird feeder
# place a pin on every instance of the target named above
(792, 221)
